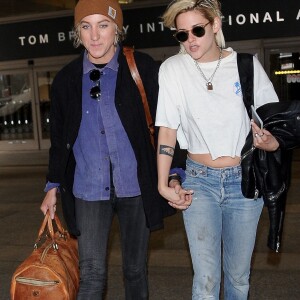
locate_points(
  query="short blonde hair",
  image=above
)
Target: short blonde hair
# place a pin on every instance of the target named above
(120, 36)
(210, 9)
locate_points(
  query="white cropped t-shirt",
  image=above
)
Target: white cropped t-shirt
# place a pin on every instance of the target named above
(215, 121)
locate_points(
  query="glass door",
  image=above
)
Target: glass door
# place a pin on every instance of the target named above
(17, 117)
(44, 79)
(25, 107)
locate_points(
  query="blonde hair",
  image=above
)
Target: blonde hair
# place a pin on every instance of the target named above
(210, 9)
(119, 37)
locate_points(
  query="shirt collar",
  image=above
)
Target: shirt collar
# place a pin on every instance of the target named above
(112, 64)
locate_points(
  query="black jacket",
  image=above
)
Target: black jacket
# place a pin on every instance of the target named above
(65, 114)
(267, 174)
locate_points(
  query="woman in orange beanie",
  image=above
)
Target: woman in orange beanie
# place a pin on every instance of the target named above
(101, 156)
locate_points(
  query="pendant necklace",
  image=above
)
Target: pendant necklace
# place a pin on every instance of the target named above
(209, 81)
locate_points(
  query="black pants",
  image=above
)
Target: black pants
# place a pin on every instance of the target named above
(94, 220)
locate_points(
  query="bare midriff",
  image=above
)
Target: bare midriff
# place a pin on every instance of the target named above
(220, 162)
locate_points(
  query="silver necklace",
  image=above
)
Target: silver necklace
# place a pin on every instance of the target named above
(209, 81)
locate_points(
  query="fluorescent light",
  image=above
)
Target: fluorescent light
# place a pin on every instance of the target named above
(285, 55)
(287, 72)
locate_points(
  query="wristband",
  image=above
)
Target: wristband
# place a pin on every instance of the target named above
(175, 177)
(180, 172)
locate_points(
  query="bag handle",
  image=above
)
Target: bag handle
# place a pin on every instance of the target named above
(48, 223)
(128, 52)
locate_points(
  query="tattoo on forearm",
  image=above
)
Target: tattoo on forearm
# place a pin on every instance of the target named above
(166, 150)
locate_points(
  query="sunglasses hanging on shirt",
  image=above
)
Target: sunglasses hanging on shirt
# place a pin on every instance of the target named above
(95, 91)
(198, 31)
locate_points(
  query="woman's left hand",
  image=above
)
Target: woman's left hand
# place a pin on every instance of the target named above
(263, 139)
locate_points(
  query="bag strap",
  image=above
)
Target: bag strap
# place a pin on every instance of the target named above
(246, 73)
(128, 52)
(48, 223)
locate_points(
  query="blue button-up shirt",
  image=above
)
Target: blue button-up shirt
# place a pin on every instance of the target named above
(102, 140)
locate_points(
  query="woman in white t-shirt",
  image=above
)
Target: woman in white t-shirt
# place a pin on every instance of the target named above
(200, 104)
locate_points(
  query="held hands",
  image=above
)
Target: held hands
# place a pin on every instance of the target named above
(177, 197)
(263, 139)
(49, 202)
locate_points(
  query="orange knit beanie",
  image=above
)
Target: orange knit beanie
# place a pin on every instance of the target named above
(108, 8)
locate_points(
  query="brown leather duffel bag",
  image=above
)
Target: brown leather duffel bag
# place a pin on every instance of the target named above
(51, 271)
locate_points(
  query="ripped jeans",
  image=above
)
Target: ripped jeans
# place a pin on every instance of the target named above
(221, 228)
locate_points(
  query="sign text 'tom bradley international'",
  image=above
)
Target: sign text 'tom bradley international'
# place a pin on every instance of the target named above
(256, 18)
(152, 27)
(62, 36)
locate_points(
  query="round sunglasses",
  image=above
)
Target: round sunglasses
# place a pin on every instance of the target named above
(183, 35)
(95, 91)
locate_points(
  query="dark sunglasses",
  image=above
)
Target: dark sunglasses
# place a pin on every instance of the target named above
(183, 35)
(95, 91)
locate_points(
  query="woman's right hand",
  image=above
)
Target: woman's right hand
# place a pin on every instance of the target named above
(49, 203)
(177, 197)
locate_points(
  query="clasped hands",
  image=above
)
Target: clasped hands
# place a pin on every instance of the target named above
(177, 197)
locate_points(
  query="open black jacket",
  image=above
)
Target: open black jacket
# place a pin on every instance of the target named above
(267, 174)
(65, 114)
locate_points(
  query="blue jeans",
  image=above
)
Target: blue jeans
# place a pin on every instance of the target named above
(94, 220)
(220, 219)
